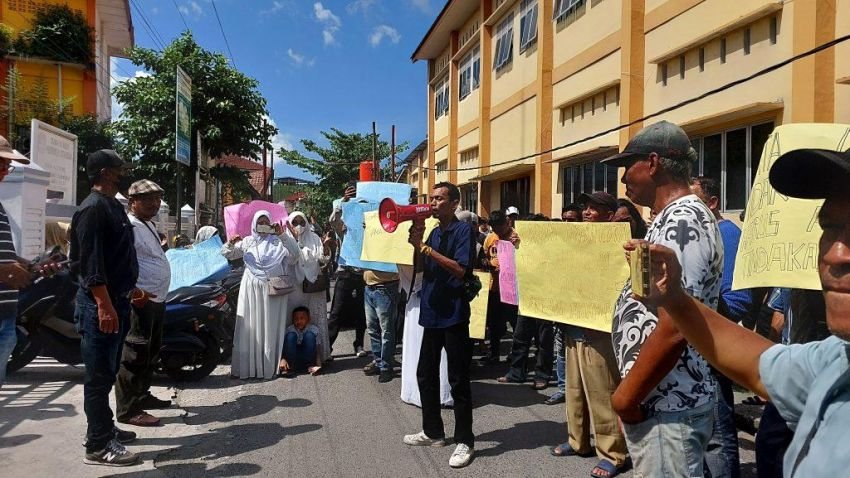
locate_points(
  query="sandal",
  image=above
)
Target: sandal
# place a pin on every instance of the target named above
(540, 385)
(607, 467)
(507, 379)
(754, 400)
(564, 449)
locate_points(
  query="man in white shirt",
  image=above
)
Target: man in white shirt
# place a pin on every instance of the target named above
(142, 344)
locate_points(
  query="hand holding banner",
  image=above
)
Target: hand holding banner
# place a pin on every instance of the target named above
(392, 248)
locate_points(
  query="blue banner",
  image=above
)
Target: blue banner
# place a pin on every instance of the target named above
(200, 264)
(375, 191)
(352, 243)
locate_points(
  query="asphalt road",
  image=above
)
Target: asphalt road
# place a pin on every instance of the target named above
(341, 423)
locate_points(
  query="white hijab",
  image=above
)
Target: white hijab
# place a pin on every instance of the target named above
(265, 253)
(205, 233)
(310, 243)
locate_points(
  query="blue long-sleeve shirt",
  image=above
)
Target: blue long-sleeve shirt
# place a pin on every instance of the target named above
(737, 302)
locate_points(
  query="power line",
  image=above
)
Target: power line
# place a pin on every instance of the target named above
(152, 33)
(660, 112)
(181, 14)
(220, 27)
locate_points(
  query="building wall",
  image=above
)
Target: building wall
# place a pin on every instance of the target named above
(520, 73)
(842, 64)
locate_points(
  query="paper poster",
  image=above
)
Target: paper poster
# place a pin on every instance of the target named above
(378, 190)
(238, 217)
(352, 243)
(779, 238)
(200, 264)
(506, 254)
(478, 308)
(571, 272)
(393, 248)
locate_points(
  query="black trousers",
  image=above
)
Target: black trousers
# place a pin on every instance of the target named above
(455, 340)
(528, 328)
(347, 307)
(138, 359)
(772, 440)
(499, 315)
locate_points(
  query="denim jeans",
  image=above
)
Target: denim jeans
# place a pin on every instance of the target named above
(381, 305)
(8, 339)
(560, 361)
(671, 443)
(102, 356)
(300, 356)
(722, 457)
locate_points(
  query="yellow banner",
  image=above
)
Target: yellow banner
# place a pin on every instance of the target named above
(478, 308)
(779, 239)
(571, 272)
(381, 246)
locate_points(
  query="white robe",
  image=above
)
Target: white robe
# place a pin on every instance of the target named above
(412, 343)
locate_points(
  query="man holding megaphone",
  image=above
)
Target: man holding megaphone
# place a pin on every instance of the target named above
(446, 257)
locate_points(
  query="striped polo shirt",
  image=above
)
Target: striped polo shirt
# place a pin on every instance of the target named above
(8, 296)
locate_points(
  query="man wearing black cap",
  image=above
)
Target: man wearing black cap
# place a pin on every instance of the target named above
(667, 392)
(102, 243)
(809, 384)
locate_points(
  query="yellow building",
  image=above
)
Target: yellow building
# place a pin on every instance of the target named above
(510, 78)
(87, 85)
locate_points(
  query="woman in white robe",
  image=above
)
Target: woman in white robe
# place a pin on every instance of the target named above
(411, 344)
(260, 318)
(309, 266)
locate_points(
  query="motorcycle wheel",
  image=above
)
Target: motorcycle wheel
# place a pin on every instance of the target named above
(25, 352)
(205, 362)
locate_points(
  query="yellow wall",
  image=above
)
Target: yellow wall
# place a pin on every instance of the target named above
(842, 63)
(72, 81)
(468, 108)
(440, 155)
(20, 17)
(519, 73)
(592, 22)
(464, 143)
(513, 134)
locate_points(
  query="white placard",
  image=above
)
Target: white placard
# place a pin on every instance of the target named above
(55, 151)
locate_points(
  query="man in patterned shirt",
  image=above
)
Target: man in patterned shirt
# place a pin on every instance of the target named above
(667, 392)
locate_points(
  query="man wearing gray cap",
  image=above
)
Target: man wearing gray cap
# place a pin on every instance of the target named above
(141, 347)
(809, 384)
(667, 392)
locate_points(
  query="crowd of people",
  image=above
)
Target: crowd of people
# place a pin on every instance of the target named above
(655, 393)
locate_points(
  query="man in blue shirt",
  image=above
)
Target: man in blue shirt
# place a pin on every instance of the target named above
(446, 257)
(808, 383)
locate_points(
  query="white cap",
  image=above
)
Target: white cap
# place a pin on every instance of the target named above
(511, 211)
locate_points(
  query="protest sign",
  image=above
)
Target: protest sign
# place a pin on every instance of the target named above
(506, 254)
(378, 190)
(202, 263)
(571, 272)
(779, 238)
(352, 244)
(478, 308)
(393, 248)
(238, 217)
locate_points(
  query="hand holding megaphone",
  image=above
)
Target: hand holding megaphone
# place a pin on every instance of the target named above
(391, 214)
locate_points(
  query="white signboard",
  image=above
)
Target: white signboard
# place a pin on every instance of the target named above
(55, 151)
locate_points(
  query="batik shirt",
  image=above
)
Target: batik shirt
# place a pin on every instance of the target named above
(689, 228)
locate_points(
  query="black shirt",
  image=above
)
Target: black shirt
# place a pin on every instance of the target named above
(8, 296)
(102, 242)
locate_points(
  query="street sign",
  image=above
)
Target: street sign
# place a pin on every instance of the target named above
(184, 117)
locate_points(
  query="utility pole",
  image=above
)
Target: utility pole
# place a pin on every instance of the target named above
(271, 184)
(376, 163)
(265, 171)
(392, 155)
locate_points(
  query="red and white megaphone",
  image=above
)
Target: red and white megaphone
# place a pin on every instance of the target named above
(391, 214)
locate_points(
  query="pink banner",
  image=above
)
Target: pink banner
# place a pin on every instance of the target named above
(508, 287)
(238, 217)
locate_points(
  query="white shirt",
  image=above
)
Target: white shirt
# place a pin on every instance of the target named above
(687, 227)
(154, 269)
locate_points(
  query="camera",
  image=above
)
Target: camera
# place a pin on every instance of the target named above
(265, 229)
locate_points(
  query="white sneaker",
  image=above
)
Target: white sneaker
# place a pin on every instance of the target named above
(462, 456)
(360, 352)
(421, 439)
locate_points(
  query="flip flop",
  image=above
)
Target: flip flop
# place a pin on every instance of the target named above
(564, 449)
(606, 466)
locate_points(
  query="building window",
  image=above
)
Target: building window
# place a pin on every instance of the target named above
(747, 41)
(682, 67)
(722, 50)
(664, 74)
(504, 43)
(469, 197)
(516, 193)
(732, 158)
(442, 166)
(441, 98)
(470, 72)
(564, 8)
(774, 29)
(587, 178)
(702, 59)
(469, 155)
(527, 24)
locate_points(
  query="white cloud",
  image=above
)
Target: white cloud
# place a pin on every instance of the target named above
(330, 22)
(191, 9)
(359, 6)
(424, 5)
(384, 31)
(299, 59)
(117, 78)
(277, 6)
(280, 140)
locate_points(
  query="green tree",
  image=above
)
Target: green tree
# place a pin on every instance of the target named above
(337, 165)
(227, 114)
(92, 135)
(58, 33)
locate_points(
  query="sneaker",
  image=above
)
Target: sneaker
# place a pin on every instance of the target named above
(371, 369)
(421, 439)
(386, 376)
(123, 436)
(462, 456)
(114, 454)
(358, 351)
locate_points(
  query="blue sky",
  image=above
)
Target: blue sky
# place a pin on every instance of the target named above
(333, 63)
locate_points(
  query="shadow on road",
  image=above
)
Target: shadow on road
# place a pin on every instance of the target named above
(30, 394)
(505, 395)
(246, 406)
(522, 436)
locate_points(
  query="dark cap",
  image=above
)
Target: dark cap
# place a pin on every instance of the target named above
(811, 173)
(102, 159)
(599, 197)
(663, 138)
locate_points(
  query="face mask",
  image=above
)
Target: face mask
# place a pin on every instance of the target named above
(300, 229)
